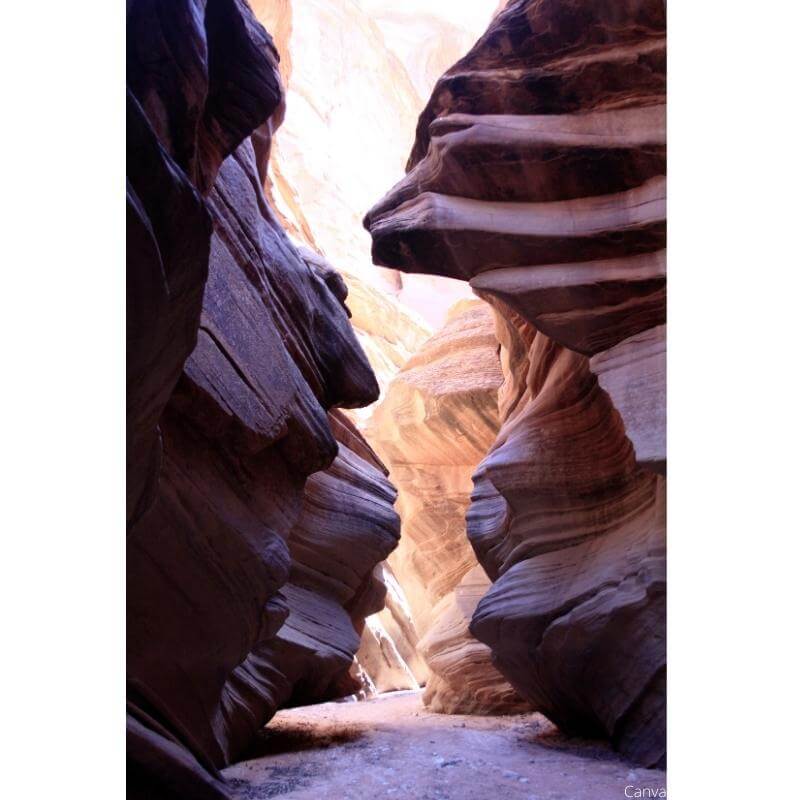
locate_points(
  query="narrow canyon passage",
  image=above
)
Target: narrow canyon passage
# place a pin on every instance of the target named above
(396, 433)
(393, 747)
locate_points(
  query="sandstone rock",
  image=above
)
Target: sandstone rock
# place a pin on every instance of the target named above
(184, 118)
(435, 423)
(575, 543)
(244, 427)
(247, 579)
(336, 93)
(546, 57)
(388, 657)
(634, 373)
(538, 174)
(387, 332)
(346, 526)
(437, 420)
(166, 273)
(463, 679)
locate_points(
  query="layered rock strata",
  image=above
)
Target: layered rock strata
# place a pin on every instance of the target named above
(346, 528)
(247, 580)
(463, 679)
(435, 423)
(538, 174)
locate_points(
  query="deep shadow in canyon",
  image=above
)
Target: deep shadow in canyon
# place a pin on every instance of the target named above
(331, 495)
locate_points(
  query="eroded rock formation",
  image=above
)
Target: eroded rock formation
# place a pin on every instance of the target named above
(248, 580)
(538, 174)
(463, 679)
(435, 423)
(346, 527)
(388, 658)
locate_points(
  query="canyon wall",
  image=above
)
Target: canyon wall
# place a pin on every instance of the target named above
(257, 514)
(435, 423)
(538, 175)
(463, 678)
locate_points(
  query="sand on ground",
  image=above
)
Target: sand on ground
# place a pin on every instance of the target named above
(392, 747)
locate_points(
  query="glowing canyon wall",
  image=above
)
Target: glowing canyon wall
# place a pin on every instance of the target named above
(356, 74)
(437, 420)
(538, 175)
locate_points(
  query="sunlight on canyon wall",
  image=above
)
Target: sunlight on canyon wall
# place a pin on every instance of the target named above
(357, 74)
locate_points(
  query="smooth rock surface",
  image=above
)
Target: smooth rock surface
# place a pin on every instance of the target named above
(435, 423)
(574, 540)
(463, 679)
(437, 420)
(634, 373)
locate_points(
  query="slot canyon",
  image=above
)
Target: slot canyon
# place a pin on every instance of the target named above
(396, 364)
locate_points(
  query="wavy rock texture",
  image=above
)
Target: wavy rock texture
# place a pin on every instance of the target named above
(438, 418)
(397, 54)
(184, 118)
(538, 175)
(388, 657)
(347, 526)
(463, 679)
(319, 199)
(574, 541)
(247, 581)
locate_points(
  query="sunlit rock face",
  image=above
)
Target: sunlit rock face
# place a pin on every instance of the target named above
(463, 679)
(538, 175)
(428, 38)
(437, 420)
(257, 513)
(356, 73)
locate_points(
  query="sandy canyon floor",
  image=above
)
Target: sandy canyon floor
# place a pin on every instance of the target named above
(392, 747)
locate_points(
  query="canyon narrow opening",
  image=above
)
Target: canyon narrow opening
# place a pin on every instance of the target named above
(397, 472)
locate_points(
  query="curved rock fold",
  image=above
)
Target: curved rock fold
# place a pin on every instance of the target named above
(538, 175)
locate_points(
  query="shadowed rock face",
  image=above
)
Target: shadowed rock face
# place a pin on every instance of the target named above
(346, 526)
(538, 174)
(247, 580)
